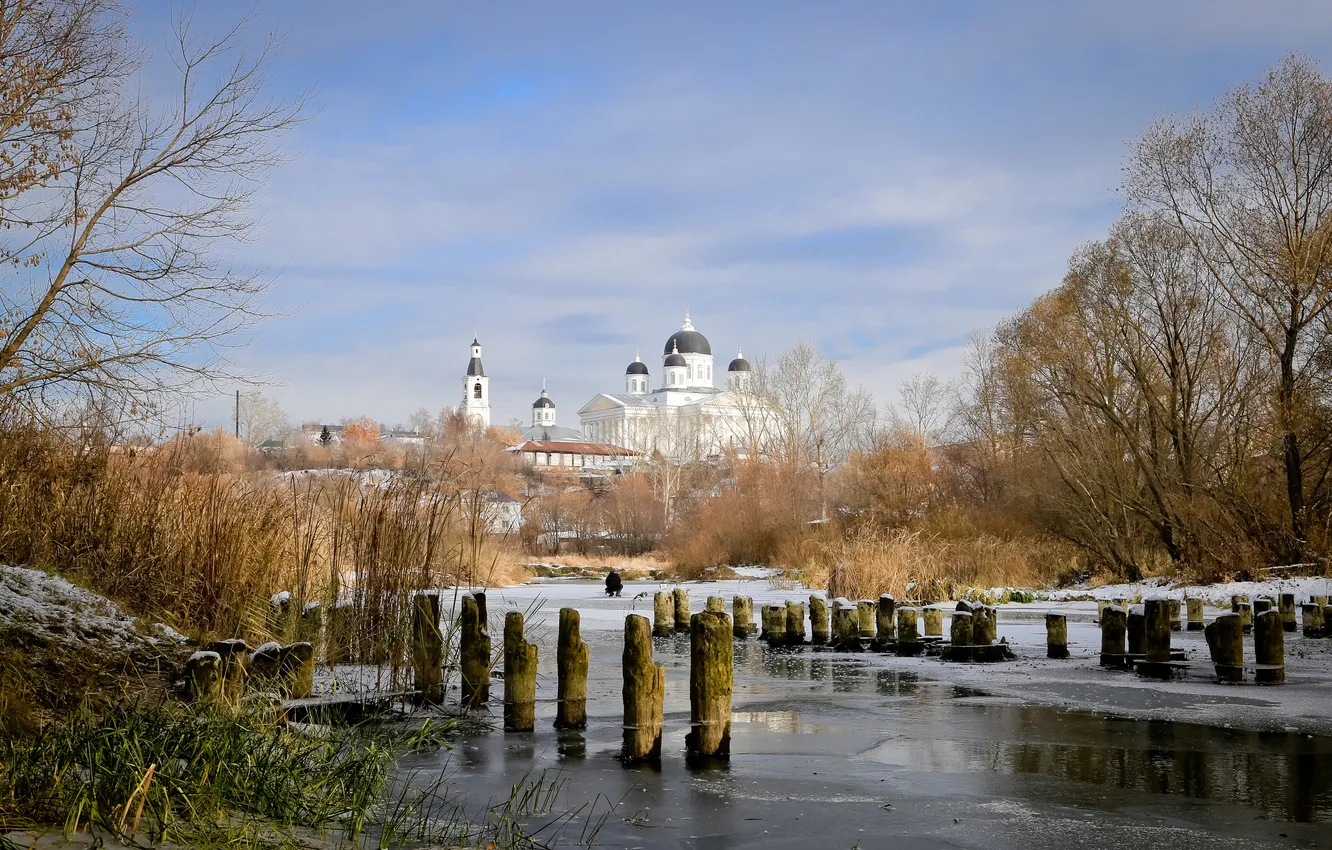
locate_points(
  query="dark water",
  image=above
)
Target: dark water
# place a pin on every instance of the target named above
(828, 751)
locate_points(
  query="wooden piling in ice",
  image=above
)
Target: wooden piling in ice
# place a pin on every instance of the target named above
(681, 609)
(867, 618)
(959, 637)
(1194, 607)
(776, 630)
(887, 618)
(715, 604)
(1114, 627)
(742, 616)
(1240, 604)
(571, 660)
(663, 613)
(1269, 642)
(908, 634)
(984, 629)
(1313, 619)
(520, 669)
(1174, 605)
(818, 619)
(1286, 606)
(795, 623)
(845, 627)
(1056, 636)
(1262, 605)
(473, 652)
(427, 648)
(1225, 641)
(203, 677)
(933, 617)
(644, 693)
(1101, 605)
(710, 685)
(1137, 630)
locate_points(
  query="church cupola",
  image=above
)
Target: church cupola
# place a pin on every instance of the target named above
(696, 352)
(636, 377)
(543, 410)
(476, 390)
(675, 370)
(739, 372)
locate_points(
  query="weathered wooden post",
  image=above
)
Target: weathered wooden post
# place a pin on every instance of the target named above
(795, 623)
(1174, 606)
(1313, 619)
(644, 693)
(959, 637)
(818, 619)
(1121, 604)
(473, 653)
(845, 627)
(1245, 610)
(742, 613)
(296, 669)
(663, 613)
(520, 668)
(1225, 640)
(427, 648)
(710, 684)
(715, 604)
(312, 626)
(1269, 642)
(866, 618)
(887, 618)
(1286, 605)
(908, 634)
(232, 657)
(1114, 626)
(571, 659)
(1195, 613)
(983, 627)
(776, 624)
(1261, 605)
(1056, 636)
(681, 609)
(933, 621)
(1156, 630)
(1137, 630)
(1327, 618)
(264, 663)
(203, 677)
(1101, 605)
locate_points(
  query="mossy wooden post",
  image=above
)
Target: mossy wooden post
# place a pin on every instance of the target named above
(232, 657)
(959, 629)
(296, 669)
(715, 604)
(887, 617)
(983, 628)
(1137, 629)
(933, 621)
(681, 609)
(264, 663)
(1194, 607)
(1286, 605)
(644, 693)
(427, 648)
(663, 613)
(775, 624)
(571, 660)
(1156, 630)
(1313, 619)
(1261, 605)
(1174, 606)
(1101, 605)
(908, 633)
(1269, 643)
(795, 622)
(1225, 640)
(742, 616)
(1114, 627)
(203, 677)
(312, 627)
(818, 619)
(1246, 616)
(520, 668)
(867, 618)
(473, 653)
(710, 684)
(1056, 636)
(845, 628)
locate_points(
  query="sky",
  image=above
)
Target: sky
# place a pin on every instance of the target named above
(565, 179)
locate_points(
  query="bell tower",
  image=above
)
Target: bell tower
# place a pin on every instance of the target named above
(476, 390)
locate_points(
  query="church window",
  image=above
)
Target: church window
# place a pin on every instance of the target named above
(476, 390)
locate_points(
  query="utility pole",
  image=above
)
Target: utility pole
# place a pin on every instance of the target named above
(238, 414)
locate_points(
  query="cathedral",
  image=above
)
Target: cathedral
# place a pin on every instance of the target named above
(685, 417)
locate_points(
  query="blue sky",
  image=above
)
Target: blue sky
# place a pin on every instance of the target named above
(565, 178)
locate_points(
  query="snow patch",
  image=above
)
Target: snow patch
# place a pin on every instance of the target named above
(51, 610)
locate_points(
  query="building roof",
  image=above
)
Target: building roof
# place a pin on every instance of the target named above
(739, 364)
(638, 367)
(687, 342)
(602, 449)
(544, 401)
(474, 369)
(553, 433)
(675, 358)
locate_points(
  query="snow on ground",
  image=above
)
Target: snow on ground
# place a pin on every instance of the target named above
(1212, 594)
(48, 609)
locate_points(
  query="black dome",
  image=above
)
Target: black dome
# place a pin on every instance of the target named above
(675, 359)
(739, 364)
(638, 367)
(687, 342)
(543, 402)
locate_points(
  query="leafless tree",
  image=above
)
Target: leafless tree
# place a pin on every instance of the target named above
(261, 418)
(926, 410)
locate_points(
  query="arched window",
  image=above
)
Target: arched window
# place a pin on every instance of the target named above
(476, 390)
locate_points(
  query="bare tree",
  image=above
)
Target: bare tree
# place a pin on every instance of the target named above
(261, 418)
(926, 408)
(120, 278)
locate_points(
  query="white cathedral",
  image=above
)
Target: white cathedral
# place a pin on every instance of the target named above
(685, 417)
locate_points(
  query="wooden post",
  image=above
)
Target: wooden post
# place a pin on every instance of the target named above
(715, 604)
(983, 628)
(795, 623)
(1286, 605)
(1174, 606)
(1137, 630)
(1262, 605)
(203, 677)
(644, 693)
(264, 663)
(663, 613)
(1269, 642)
(866, 617)
(520, 669)
(933, 621)
(1156, 630)
(296, 669)
(818, 619)
(1114, 625)
(710, 684)
(232, 657)
(1313, 619)
(571, 660)
(959, 633)
(1245, 610)
(1225, 640)
(473, 653)
(845, 628)
(742, 613)
(1101, 605)
(681, 609)
(908, 634)
(887, 618)
(1056, 636)
(427, 648)
(1195, 613)
(774, 624)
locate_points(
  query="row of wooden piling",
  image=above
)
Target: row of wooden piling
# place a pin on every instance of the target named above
(226, 670)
